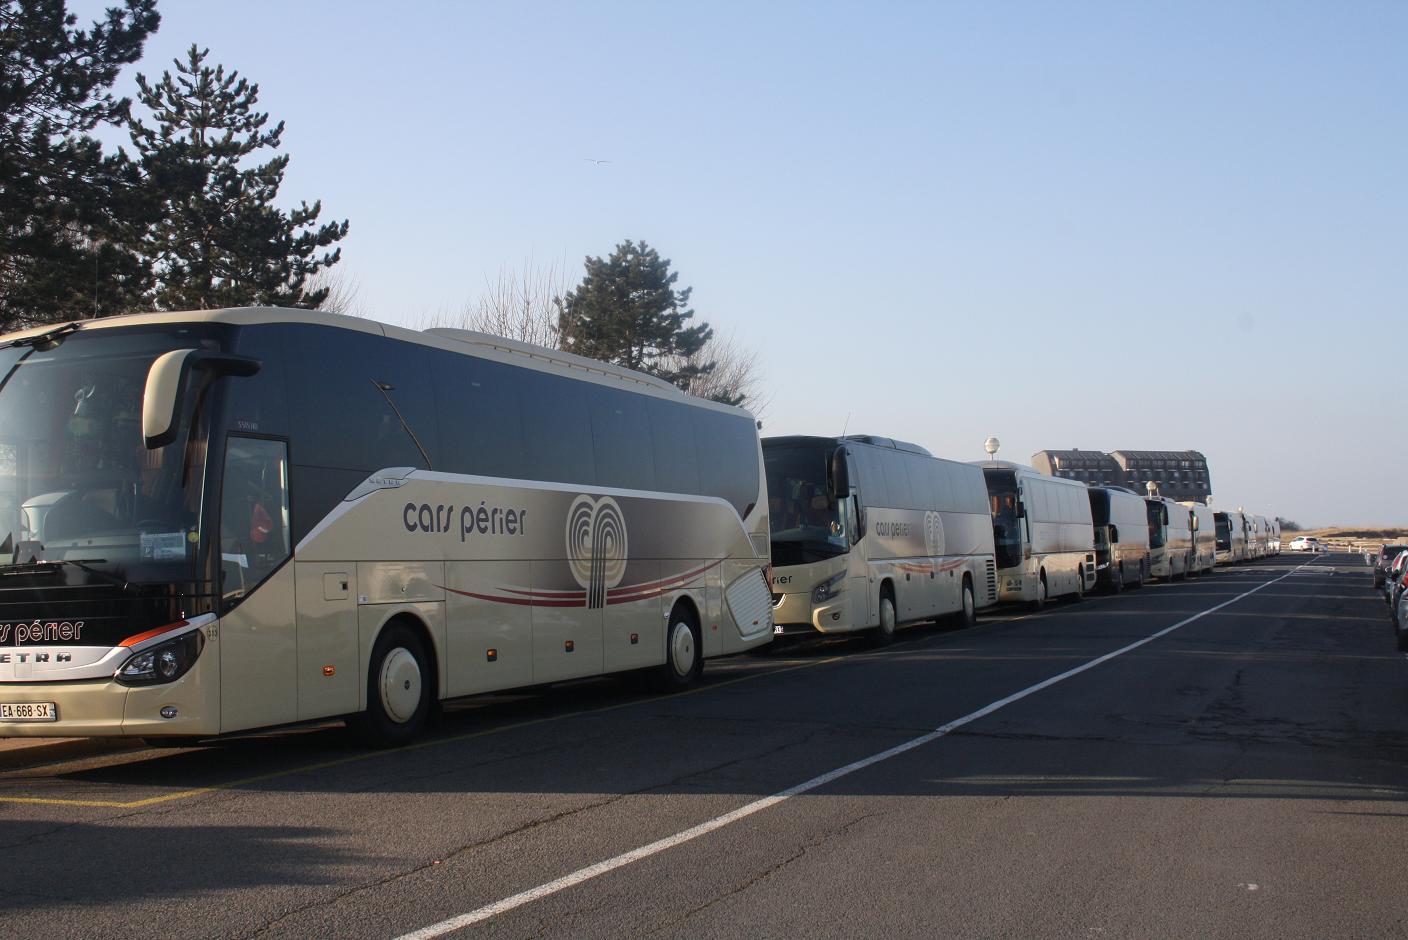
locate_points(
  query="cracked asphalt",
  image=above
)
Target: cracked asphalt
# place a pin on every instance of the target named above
(1242, 776)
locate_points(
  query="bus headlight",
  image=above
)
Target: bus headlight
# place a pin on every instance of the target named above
(828, 589)
(165, 662)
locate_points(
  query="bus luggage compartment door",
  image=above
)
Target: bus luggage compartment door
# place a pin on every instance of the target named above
(328, 674)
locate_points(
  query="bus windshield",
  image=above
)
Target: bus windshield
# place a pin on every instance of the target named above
(807, 524)
(77, 483)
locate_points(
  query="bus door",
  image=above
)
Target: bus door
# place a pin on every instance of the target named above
(852, 512)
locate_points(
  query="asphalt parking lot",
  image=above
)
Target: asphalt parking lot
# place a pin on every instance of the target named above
(1225, 756)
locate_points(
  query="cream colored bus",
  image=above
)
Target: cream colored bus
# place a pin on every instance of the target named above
(1170, 538)
(1231, 537)
(870, 534)
(1121, 537)
(228, 520)
(1043, 533)
(1204, 525)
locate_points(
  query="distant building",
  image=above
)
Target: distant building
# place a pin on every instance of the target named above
(1179, 474)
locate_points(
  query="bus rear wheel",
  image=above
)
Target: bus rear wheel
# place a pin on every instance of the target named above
(1040, 601)
(968, 610)
(684, 653)
(398, 689)
(1117, 579)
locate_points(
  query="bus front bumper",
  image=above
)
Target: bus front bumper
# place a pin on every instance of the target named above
(796, 614)
(104, 708)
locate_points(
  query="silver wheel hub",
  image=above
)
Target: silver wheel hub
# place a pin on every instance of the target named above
(968, 604)
(682, 651)
(887, 616)
(400, 685)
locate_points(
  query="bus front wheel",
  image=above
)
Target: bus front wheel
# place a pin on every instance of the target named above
(398, 689)
(968, 612)
(884, 634)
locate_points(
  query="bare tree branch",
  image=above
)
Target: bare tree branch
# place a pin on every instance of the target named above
(515, 305)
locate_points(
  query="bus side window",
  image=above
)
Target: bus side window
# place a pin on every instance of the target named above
(254, 529)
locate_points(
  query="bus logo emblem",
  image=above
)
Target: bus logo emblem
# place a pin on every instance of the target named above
(596, 546)
(933, 533)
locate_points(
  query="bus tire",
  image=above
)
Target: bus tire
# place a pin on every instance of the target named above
(1143, 573)
(399, 689)
(968, 609)
(884, 633)
(1078, 594)
(1117, 579)
(684, 652)
(1040, 601)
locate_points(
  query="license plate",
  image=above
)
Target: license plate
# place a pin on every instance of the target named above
(28, 711)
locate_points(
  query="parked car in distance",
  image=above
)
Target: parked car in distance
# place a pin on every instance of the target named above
(1387, 553)
(1302, 543)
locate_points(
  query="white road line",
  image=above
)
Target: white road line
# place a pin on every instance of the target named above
(654, 848)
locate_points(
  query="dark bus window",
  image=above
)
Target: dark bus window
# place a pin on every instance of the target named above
(480, 416)
(727, 452)
(672, 446)
(346, 389)
(557, 430)
(621, 438)
(258, 404)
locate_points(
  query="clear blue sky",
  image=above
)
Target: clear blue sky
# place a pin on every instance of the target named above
(1102, 225)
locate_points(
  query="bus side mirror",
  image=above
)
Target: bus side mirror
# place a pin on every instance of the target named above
(165, 391)
(1021, 510)
(840, 475)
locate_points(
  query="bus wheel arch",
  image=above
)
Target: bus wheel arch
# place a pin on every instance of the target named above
(402, 683)
(684, 648)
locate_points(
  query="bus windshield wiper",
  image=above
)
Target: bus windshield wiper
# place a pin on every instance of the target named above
(46, 340)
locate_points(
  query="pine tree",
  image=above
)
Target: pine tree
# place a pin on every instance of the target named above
(69, 213)
(626, 310)
(219, 240)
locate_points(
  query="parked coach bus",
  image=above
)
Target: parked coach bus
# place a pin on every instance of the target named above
(1121, 537)
(1204, 527)
(1042, 532)
(1273, 537)
(1261, 537)
(242, 518)
(1170, 538)
(1231, 537)
(870, 533)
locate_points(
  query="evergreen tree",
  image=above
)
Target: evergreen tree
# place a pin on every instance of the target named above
(627, 311)
(219, 240)
(69, 214)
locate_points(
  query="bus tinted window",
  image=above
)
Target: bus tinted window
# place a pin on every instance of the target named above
(480, 416)
(726, 449)
(557, 429)
(621, 438)
(672, 447)
(341, 400)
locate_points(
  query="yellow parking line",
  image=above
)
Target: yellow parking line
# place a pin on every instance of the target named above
(420, 745)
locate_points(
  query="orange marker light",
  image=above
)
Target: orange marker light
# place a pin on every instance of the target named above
(570, 646)
(491, 655)
(329, 671)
